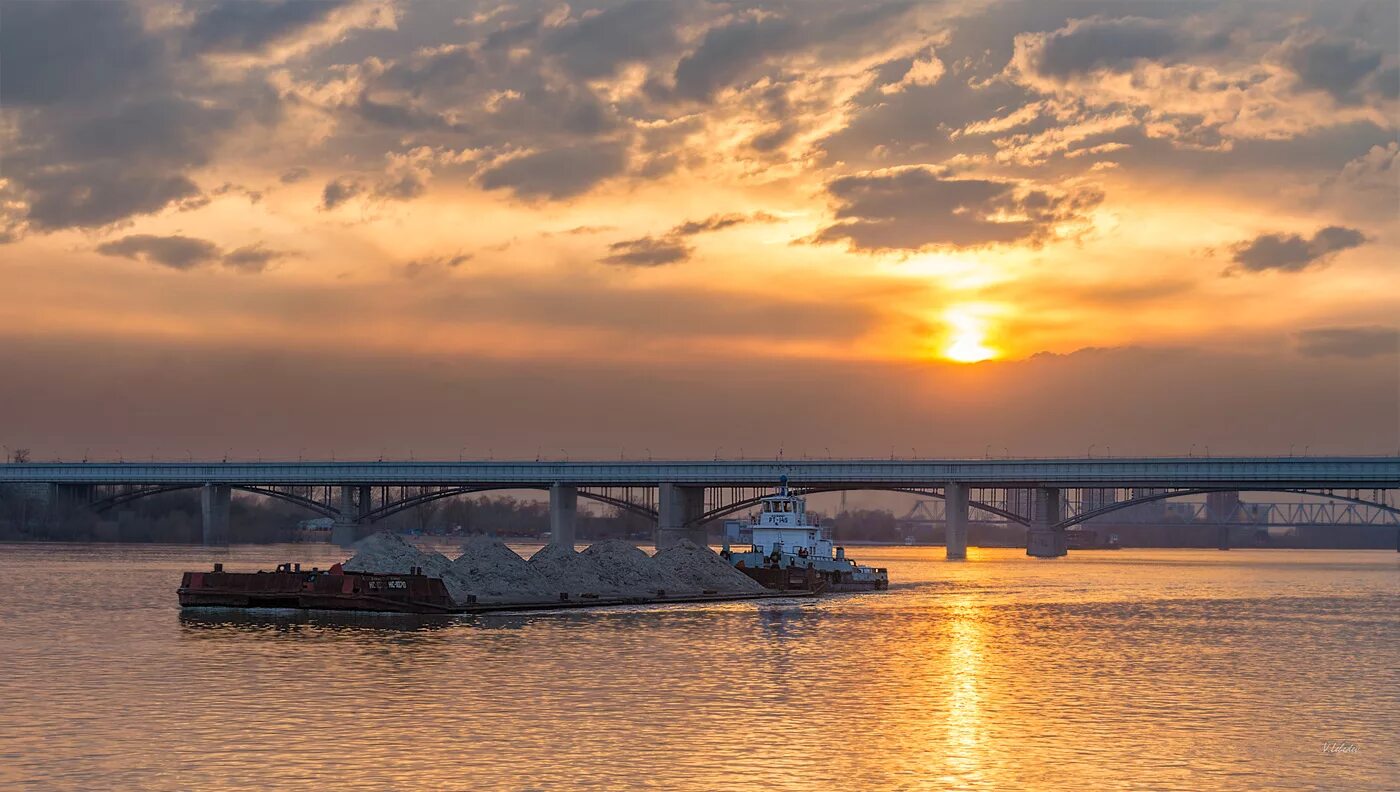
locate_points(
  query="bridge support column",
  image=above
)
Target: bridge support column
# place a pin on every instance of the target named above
(679, 513)
(955, 499)
(563, 515)
(366, 503)
(345, 529)
(214, 501)
(1042, 541)
(1222, 537)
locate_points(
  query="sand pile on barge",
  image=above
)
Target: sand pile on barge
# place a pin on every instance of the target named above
(490, 570)
(391, 553)
(624, 567)
(700, 568)
(571, 571)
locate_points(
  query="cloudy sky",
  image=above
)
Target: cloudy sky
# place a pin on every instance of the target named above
(695, 229)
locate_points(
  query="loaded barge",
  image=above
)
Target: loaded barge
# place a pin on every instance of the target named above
(339, 589)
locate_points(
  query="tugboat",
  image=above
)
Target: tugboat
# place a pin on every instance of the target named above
(788, 552)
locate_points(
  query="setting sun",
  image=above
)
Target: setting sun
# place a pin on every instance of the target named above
(967, 336)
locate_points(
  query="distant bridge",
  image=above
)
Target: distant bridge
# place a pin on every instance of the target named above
(1335, 510)
(1046, 495)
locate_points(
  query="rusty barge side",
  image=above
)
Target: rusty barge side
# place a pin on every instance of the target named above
(337, 589)
(334, 589)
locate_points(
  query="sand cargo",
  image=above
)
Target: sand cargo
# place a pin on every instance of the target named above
(389, 574)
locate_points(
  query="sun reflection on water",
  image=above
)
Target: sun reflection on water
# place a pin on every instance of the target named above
(965, 730)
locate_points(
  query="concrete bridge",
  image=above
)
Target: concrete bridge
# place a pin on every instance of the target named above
(682, 496)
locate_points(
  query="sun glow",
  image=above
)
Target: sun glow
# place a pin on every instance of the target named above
(967, 336)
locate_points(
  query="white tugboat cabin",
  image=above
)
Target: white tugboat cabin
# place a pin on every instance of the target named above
(784, 538)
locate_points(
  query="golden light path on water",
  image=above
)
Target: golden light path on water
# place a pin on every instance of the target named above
(965, 733)
(1138, 669)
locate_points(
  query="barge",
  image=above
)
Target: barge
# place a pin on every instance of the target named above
(338, 589)
(788, 552)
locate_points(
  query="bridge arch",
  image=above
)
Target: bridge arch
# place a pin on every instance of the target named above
(1157, 496)
(397, 506)
(310, 504)
(722, 511)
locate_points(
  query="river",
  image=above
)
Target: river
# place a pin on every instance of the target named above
(1136, 669)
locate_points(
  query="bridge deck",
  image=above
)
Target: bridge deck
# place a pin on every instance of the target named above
(1243, 472)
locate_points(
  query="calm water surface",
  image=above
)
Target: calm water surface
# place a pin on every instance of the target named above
(1151, 669)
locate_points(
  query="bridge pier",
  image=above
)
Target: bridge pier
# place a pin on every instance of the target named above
(1221, 507)
(214, 501)
(366, 503)
(1042, 540)
(563, 515)
(955, 497)
(679, 510)
(345, 529)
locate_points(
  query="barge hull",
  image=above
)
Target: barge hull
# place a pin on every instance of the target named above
(363, 592)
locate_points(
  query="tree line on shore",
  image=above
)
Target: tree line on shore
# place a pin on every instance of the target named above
(30, 514)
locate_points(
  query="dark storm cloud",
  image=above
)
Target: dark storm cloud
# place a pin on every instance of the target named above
(1342, 67)
(100, 193)
(405, 186)
(513, 35)
(456, 97)
(419, 266)
(1349, 342)
(251, 258)
(1293, 253)
(597, 45)
(161, 131)
(175, 252)
(442, 69)
(914, 208)
(402, 117)
(922, 123)
(1086, 45)
(186, 253)
(338, 192)
(647, 252)
(252, 25)
(294, 175)
(720, 222)
(74, 49)
(109, 122)
(732, 53)
(775, 138)
(727, 53)
(522, 84)
(651, 251)
(557, 173)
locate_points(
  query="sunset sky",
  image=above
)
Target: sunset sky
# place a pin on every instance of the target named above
(696, 229)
